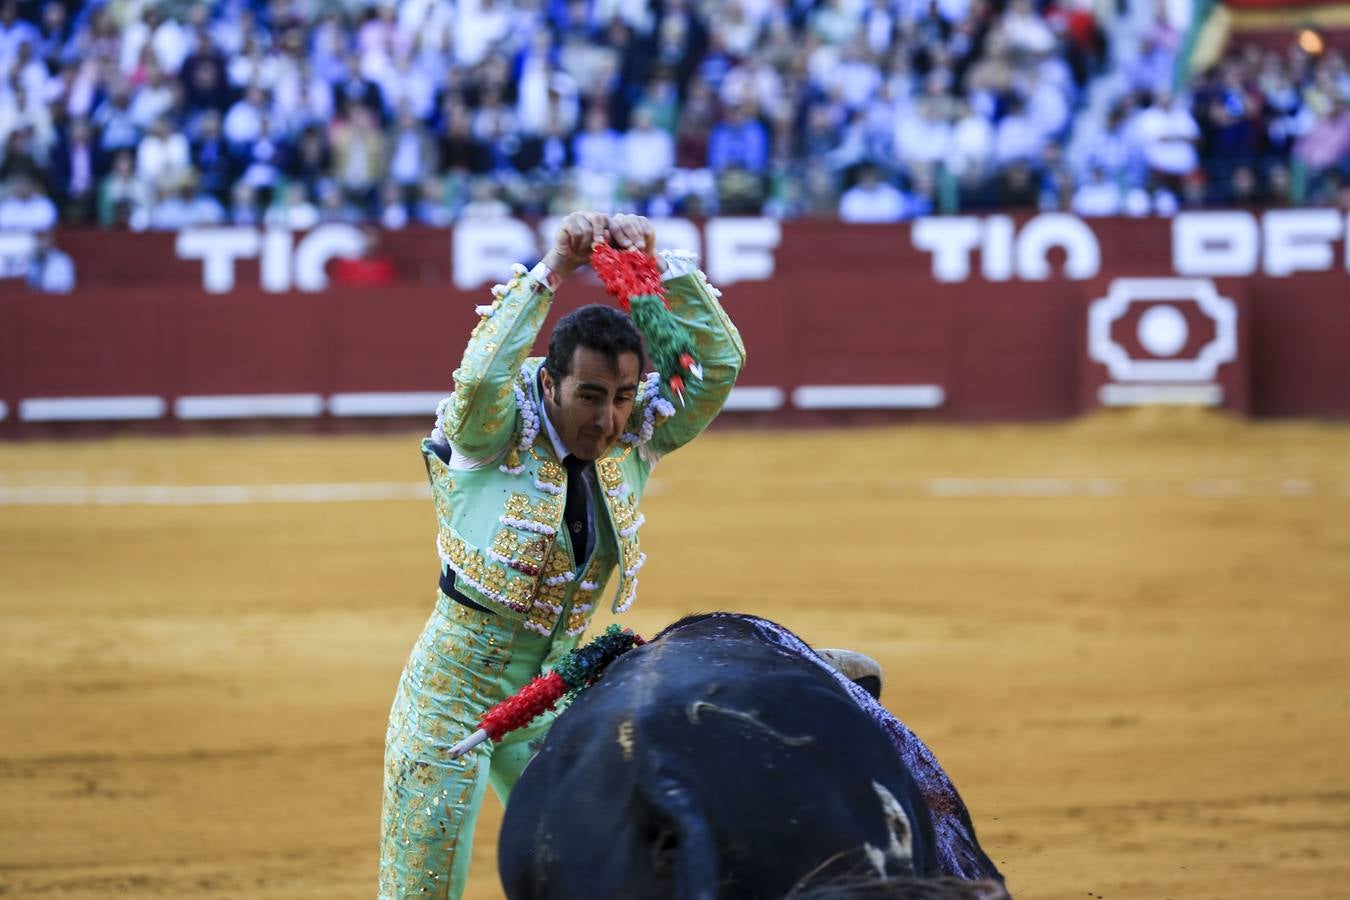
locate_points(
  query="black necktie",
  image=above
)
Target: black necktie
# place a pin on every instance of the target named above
(575, 512)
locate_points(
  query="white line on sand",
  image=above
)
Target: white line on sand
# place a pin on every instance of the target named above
(385, 491)
(209, 494)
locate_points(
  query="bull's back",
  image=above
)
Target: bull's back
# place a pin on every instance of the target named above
(710, 754)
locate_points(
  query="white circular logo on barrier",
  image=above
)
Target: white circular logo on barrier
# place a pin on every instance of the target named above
(1163, 330)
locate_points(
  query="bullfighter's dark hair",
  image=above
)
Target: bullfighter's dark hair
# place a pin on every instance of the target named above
(601, 328)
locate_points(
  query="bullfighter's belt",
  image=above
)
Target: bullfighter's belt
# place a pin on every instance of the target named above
(449, 589)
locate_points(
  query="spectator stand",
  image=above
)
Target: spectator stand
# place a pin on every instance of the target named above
(169, 114)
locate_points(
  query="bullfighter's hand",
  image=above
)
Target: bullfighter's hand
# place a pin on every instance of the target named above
(634, 231)
(577, 234)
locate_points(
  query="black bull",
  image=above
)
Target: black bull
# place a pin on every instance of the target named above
(724, 759)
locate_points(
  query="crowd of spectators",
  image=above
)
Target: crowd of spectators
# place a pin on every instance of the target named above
(1260, 128)
(1274, 129)
(162, 114)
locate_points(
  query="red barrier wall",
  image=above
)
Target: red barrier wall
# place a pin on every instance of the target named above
(864, 309)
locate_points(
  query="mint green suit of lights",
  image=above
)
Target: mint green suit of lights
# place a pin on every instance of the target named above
(499, 495)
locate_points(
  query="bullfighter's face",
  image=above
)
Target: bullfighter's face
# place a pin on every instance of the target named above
(591, 403)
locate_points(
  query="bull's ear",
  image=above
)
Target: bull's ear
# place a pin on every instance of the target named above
(859, 668)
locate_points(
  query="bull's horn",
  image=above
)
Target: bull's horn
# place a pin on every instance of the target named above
(856, 667)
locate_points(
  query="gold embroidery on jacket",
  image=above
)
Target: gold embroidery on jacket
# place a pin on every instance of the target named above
(611, 475)
(532, 552)
(552, 474)
(518, 592)
(502, 585)
(493, 578)
(546, 511)
(586, 583)
(504, 543)
(579, 615)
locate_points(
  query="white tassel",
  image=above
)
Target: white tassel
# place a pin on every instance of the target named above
(641, 561)
(628, 604)
(528, 525)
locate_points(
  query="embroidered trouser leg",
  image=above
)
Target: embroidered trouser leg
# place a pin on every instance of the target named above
(517, 748)
(464, 663)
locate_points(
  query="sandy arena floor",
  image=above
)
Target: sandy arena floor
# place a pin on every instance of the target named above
(1128, 640)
